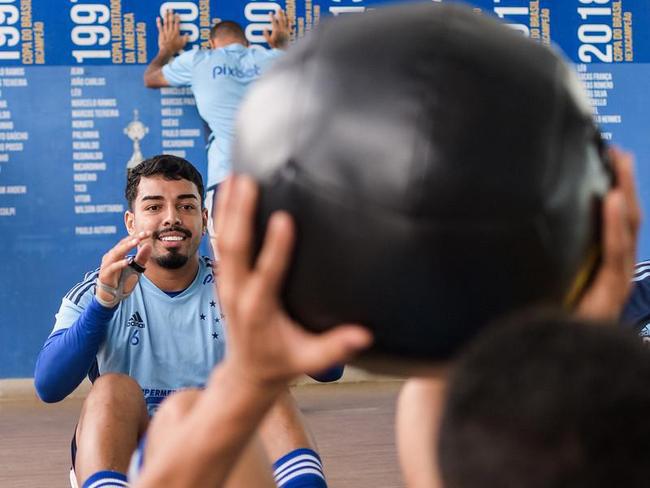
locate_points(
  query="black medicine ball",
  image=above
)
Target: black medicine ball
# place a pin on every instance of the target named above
(442, 170)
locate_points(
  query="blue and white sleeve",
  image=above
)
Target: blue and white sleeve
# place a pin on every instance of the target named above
(636, 312)
(637, 308)
(71, 348)
(178, 72)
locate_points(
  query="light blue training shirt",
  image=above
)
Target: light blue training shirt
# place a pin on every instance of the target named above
(219, 79)
(163, 342)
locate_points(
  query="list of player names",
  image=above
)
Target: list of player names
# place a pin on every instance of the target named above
(88, 111)
(12, 139)
(598, 84)
(176, 139)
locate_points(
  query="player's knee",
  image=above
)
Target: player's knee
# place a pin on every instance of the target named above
(115, 382)
(115, 391)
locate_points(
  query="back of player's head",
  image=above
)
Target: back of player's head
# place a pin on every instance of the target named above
(165, 165)
(550, 403)
(228, 29)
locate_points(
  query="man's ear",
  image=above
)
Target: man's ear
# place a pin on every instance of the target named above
(204, 216)
(129, 222)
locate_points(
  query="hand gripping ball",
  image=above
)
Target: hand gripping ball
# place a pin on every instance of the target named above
(442, 170)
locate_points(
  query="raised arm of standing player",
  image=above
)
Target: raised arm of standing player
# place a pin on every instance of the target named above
(170, 42)
(280, 33)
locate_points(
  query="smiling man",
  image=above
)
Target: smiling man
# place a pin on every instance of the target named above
(139, 327)
(144, 326)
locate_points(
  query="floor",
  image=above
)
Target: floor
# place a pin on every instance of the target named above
(353, 424)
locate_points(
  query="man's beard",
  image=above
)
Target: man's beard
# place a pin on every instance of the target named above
(172, 260)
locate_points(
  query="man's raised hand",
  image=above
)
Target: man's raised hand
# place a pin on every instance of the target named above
(169, 33)
(110, 288)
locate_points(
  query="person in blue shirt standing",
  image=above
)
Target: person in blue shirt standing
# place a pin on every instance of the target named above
(219, 78)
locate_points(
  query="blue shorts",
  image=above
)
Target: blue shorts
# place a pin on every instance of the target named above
(329, 375)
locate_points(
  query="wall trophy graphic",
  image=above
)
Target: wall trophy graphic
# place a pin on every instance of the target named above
(135, 131)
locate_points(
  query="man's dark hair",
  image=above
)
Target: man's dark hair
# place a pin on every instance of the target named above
(553, 402)
(169, 167)
(228, 28)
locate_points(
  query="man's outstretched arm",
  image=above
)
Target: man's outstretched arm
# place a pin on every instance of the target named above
(170, 42)
(266, 349)
(69, 352)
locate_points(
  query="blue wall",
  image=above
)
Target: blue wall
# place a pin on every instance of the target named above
(69, 85)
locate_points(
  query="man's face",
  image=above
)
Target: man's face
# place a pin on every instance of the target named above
(171, 210)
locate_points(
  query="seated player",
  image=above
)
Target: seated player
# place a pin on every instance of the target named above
(142, 328)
